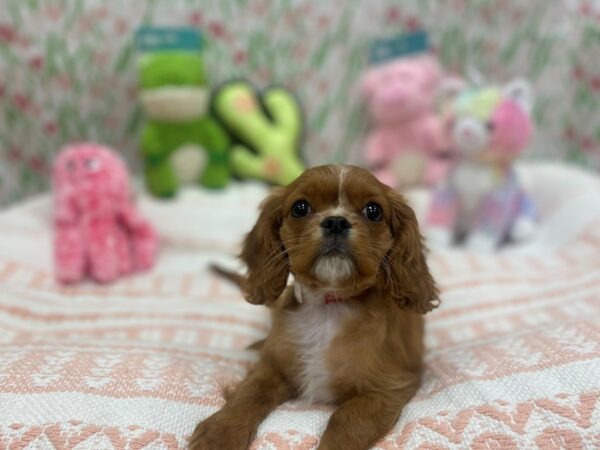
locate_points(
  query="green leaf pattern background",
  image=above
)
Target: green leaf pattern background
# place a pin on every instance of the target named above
(67, 67)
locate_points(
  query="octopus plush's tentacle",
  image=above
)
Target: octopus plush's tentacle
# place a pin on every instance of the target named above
(69, 253)
(124, 251)
(103, 242)
(143, 238)
(144, 245)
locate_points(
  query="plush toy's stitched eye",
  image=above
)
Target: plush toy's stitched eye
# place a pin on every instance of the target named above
(490, 126)
(373, 212)
(301, 209)
(71, 166)
(92, 164)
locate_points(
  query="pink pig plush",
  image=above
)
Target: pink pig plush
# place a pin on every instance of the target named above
(407, 143)
(98, 232)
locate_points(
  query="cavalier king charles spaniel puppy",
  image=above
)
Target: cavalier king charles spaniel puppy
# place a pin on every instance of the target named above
(349, 330)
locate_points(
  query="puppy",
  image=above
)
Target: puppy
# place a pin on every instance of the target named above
(349, 331)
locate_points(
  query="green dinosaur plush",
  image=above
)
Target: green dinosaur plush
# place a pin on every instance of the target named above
(267, 127)
(175, 100)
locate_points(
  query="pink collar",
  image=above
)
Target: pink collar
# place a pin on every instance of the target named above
(330, 297)
(315, 298)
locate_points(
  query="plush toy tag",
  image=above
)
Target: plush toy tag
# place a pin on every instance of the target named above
(150, 39)
(384, 50)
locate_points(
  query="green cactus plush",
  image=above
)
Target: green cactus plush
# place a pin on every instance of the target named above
(267, 128)
(180, 141)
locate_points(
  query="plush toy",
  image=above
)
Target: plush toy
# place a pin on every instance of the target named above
(180, 141)
(98, 231)
(266, 128)
(407, 144)
(482, 200)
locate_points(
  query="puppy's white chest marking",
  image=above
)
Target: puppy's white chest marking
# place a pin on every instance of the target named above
(313, 326)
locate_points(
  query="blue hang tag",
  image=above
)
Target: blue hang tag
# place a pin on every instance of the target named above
(156, 39)
(383, 50)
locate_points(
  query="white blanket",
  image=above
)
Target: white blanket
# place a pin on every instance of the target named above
(513, 355)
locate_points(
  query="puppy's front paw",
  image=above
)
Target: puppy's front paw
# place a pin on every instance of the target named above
(220, 432)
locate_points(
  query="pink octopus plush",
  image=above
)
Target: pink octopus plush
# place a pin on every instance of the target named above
(407, 143)
(98, 232)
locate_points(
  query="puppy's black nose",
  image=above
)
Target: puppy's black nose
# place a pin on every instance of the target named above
(336, 225)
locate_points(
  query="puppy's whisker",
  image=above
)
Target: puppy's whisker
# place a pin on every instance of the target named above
(281, 248)
(275, 259)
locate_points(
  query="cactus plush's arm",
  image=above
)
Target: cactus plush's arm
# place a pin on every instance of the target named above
(273, 137)
(238, 107)
(284, 110)
(247, 163)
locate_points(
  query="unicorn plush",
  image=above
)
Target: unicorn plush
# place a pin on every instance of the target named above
(481, 201)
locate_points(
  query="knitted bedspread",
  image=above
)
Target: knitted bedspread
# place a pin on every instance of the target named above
(513, 353)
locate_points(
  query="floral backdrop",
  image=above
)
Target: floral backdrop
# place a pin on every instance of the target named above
(67, 67)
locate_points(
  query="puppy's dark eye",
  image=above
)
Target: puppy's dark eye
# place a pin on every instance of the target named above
(373, 212)
(301, 209)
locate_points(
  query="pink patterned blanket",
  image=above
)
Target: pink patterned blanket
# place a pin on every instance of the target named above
(513, 355)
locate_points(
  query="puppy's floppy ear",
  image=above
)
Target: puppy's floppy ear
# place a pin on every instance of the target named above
(264, 254)
(408, 279)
